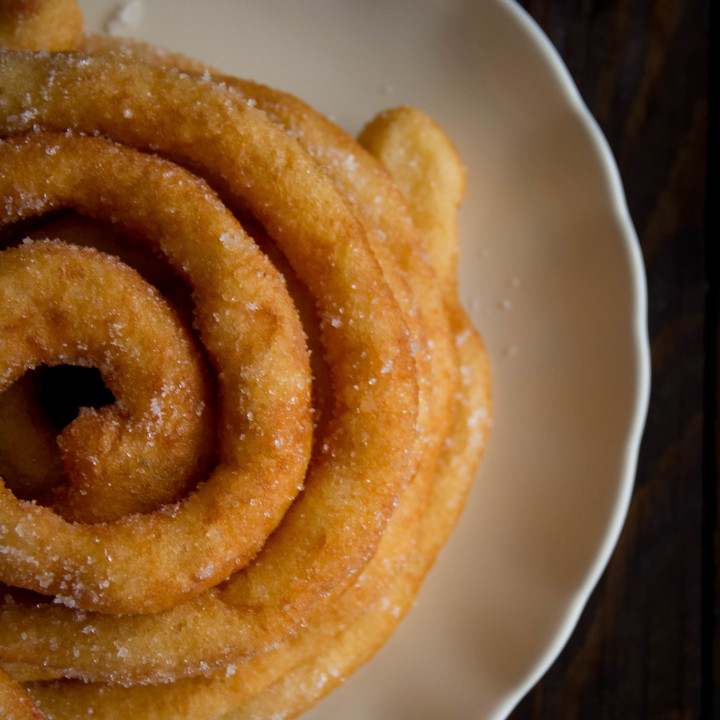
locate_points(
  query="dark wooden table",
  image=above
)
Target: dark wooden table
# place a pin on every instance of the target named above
(647, 645)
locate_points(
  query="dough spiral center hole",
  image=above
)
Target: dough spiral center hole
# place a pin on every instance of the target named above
(63, 390)
(33, 412)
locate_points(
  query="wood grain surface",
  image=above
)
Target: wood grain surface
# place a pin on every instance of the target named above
(647, 645)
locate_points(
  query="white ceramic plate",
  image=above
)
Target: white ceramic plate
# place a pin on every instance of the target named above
(551, 272)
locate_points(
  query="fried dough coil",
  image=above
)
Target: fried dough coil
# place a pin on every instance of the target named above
(295, 675)
(358, 471)
(400, 386)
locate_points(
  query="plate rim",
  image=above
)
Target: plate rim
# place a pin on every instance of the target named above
(569, 91)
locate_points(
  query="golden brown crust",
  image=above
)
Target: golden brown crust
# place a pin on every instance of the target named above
(41, 172)
(403, 385)
(15, 703)
(40, 24)
(359, 470)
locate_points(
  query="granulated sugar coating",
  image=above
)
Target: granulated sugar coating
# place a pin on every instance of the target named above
(299, 403)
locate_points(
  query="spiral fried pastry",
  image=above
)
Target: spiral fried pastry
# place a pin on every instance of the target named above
(295, 418)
